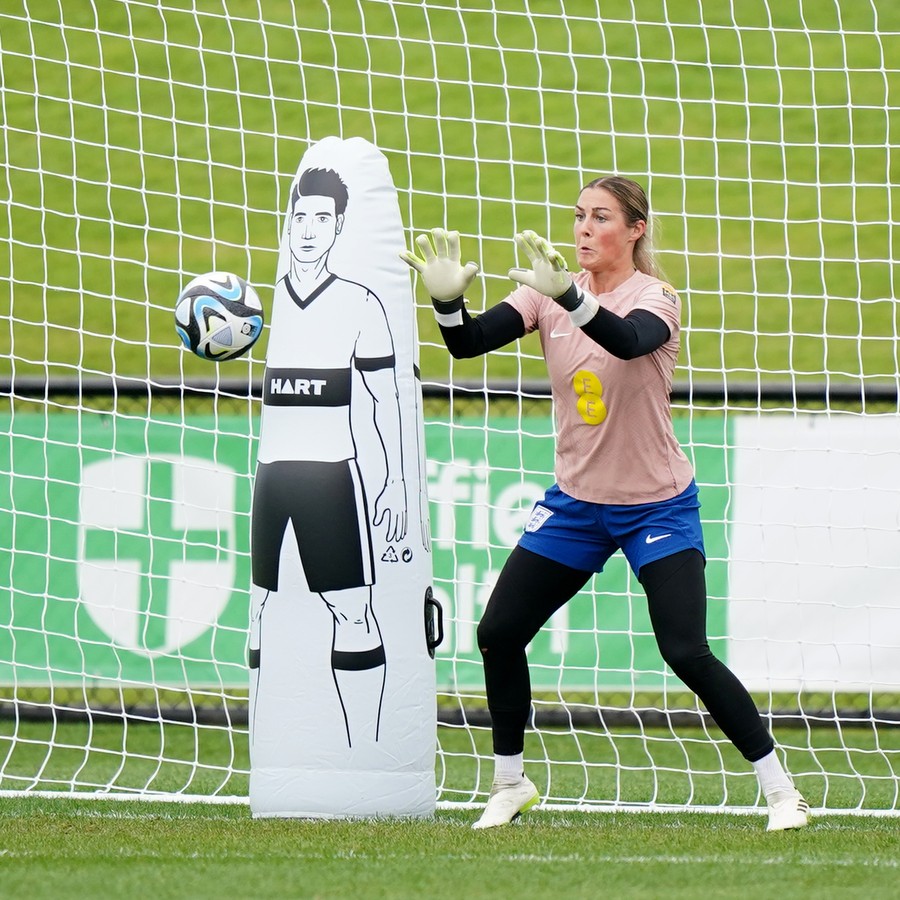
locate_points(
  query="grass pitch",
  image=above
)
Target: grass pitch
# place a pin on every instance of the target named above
(73, 849)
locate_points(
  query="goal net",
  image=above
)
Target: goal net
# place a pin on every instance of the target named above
(144, 143)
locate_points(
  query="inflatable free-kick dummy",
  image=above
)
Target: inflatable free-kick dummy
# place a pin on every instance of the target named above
(342, 690)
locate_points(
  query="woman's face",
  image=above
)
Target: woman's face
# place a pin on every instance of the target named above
(603, 238)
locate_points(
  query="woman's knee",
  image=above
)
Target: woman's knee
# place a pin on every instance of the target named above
(486, 635)
(495, 637)
(687, 660)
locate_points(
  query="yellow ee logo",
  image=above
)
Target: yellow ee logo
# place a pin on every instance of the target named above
(589, 390)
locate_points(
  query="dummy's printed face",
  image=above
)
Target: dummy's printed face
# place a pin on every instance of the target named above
(603, 237)
(313, 227)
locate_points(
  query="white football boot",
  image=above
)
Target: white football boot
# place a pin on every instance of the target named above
(507, 801)
(787, 809)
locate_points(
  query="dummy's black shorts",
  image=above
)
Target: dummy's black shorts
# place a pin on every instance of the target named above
(325, 502)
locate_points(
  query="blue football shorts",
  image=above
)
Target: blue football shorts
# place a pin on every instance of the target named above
(585, 535)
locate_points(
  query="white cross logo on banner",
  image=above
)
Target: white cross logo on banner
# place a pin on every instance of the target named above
(156, 548)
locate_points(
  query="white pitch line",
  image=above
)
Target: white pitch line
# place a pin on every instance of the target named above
(540, 858)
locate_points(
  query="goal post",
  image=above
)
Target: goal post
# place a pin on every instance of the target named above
(143, 144)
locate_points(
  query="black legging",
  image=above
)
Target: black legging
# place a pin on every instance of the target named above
(531, 588)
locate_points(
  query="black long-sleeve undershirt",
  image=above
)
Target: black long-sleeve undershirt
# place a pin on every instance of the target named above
(637, 334)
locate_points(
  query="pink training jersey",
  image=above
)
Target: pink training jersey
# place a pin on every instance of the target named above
(615, 443)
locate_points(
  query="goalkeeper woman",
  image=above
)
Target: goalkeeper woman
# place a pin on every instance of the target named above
(610, 338)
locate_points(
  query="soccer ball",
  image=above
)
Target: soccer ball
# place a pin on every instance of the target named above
(218, 316)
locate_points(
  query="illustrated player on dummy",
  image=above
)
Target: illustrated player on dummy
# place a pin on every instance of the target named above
(333, 331)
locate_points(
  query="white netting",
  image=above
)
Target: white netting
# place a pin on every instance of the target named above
(146, 142)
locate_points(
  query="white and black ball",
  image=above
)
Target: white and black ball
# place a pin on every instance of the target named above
(218, 316)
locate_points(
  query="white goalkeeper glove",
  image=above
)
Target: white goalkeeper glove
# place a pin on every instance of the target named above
(444, 276)
(550, 276)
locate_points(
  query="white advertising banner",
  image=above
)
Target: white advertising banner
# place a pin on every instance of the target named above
(814, 562)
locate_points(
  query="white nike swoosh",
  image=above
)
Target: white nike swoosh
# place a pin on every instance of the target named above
(555, 333)
(653, 538)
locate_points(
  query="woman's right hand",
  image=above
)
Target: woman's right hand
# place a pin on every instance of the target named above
(439, 266)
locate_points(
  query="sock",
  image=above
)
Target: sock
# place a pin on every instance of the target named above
(509, 768)
(359, 677)
(771, 774)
